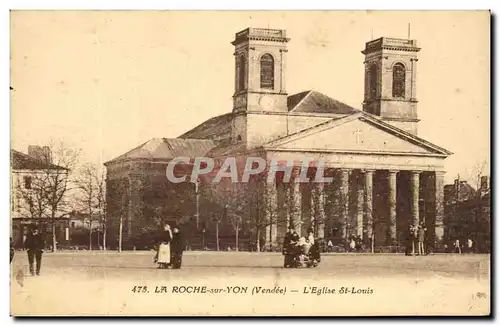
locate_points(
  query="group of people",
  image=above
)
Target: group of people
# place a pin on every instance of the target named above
(170, 247)
(355, 243)
(416, 240)
(169, 253)
(300, 250)
(459, 248)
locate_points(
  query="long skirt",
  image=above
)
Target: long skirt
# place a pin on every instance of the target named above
(163, 254)
(306, 248)
(289, 260)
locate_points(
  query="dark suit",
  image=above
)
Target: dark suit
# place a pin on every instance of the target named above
(290, 248)
(315, 251)
(35, 245)
(176, 250)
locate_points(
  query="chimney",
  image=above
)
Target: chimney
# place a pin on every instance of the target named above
(42, 154)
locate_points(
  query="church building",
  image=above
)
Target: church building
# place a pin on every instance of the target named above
(385, 177)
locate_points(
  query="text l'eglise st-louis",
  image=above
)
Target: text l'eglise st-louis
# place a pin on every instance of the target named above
(342, 290)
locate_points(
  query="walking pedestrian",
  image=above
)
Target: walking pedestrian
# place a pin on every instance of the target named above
(470, 246)
(421, 239)
(457, 248)
(35, 245)
(359, 243)
(176, 249)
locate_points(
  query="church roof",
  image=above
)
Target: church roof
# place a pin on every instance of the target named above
(315, 102)
(227, 148)
(212, 137)
(332, 123)
(164, 149)
(217, 128)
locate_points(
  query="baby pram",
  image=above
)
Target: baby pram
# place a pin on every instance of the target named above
(307, 255)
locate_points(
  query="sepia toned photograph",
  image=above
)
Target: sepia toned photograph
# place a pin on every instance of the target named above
(250, 163)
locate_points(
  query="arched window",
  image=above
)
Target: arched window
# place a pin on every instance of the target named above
(373, 81)
(267, 71)
(241, 73)
(398, 80)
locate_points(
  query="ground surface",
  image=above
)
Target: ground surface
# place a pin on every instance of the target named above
(84, 283)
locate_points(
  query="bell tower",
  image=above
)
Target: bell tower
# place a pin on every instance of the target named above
(260, 95)
(390, 81)
(260, 70)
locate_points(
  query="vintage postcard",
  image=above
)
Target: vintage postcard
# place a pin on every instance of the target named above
(250, 163)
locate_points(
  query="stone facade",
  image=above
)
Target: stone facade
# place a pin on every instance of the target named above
(384, 177)
(382, 56)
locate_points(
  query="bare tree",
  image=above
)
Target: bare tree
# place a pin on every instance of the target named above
(232, 201)
(91, 196)
(263, 211)
(58, 183)
(217, 219)
(47, 196)
(477, 171)
(475, 174)
(231, 197)
(33, 195)
(117, 195)
(100, 182)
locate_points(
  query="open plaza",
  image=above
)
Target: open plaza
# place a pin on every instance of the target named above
(222, 283)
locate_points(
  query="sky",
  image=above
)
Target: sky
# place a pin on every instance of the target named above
(107, 82)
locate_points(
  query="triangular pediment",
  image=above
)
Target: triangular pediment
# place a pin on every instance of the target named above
(358, 133)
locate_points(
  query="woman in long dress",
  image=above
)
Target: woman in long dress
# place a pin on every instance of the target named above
(163, 257)
(315, 246)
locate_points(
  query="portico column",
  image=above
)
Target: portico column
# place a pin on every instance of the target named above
(415, 191)
(296, 202)
(287, 194)
(318, 216)
(439, 195)
(271, 214)
(359, 205)
(392, 207)
(369, 203)
(344, 201)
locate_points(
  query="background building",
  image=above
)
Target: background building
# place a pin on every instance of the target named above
(33, 182)
(468, 213)
(80, 226)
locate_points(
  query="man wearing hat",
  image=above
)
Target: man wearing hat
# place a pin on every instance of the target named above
(34, 244)
(289, 246)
